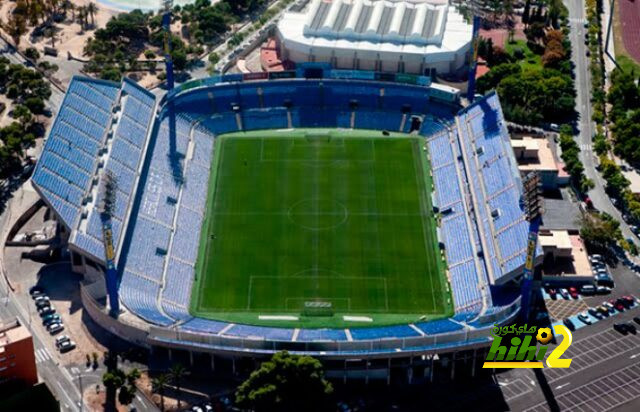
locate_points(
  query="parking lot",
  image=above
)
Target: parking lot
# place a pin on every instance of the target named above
(594, 350)
(560, 309)
(603, 394)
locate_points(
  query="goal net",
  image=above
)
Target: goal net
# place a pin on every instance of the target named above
(317, 308)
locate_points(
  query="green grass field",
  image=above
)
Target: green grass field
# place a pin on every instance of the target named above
(343, 217)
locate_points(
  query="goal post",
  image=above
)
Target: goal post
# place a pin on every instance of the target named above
(317, 308)
(318, 137)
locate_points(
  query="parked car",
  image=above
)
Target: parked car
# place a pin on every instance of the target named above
(569, 324)
(631, 327)
(604, 280)
(603, 290)
(60, 339)
(36, 294)
(620, 327)
(584, 318)
(553, 294)
(66, 346)
(41, 298)
(46, 310)
(564, 293)
(630, 300)
(609, 306)
(55, 328)
(620, 304)
(595, 258)
(36, 289)
(51, 318)
(604, 311)
(42, 304)
(637, 320)
(588, 290)
(594, 312)
(573, 291)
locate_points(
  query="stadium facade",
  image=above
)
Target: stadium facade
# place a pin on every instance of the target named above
(397, 36)
(160, 151)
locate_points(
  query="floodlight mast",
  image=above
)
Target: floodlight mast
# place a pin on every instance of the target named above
(533, 206)
(109, 191)
(167, 6)
(477, 14)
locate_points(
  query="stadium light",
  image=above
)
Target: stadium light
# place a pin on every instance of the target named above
(532, 198)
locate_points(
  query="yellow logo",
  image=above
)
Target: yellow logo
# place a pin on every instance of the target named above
(523, 352)
(544, 335)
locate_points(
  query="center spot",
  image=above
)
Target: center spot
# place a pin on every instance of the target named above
(318, 214)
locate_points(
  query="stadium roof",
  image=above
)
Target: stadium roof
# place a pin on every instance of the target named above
(409, 27)
(102, 126)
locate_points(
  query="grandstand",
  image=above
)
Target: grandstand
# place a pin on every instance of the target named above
(161, 153)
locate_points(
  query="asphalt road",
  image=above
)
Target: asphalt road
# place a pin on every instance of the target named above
(601, 201)
(64, 381)
(58, 378)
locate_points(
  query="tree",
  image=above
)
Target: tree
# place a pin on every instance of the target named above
(16, 27)
(158, 384)
(286, 383)
(113, 380)
(554, 52)
(126, 395)
(35, 105)
(179, 58)
(177, 374)
(51, 33)
(527, 12)
(599, 230)
(92, 9)
(32, 53)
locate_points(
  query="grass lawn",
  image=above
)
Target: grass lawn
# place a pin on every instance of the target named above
(343, 217)
(530, 60)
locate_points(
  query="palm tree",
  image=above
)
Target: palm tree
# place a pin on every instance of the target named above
(51, 32)
(177, 373)
(81, 15)
(72, 7)
(159, 384)
(92, 9)
(16, 27)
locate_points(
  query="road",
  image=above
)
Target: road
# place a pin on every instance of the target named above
(586, 127)
(9, 52)
(64, 381)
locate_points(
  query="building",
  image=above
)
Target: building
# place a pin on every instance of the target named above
(534, 154)
(17, 358)
(404, 36)
(565, 257)
(122, 129)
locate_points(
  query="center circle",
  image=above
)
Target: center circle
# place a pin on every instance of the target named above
(318, 214)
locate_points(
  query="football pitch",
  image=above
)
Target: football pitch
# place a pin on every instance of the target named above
(340, 219)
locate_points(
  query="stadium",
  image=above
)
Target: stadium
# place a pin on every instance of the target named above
(348, 215)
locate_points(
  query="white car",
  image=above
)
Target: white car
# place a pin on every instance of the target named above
(60, 339)
(55, 328)
(66, 346)
(595, 258)
(584, 318)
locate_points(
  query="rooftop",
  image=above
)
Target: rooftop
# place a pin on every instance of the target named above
(565, 254)
(11, 332)
(413, 27)
(534, 154)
